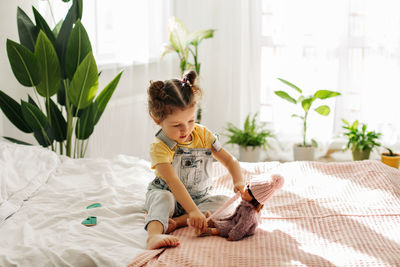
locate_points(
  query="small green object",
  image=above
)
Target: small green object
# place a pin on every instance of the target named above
(95, 205)
(90, 221)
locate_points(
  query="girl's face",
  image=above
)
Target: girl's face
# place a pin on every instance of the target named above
(179, 124)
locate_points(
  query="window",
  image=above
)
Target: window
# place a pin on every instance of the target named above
(121, 31)
(351, 46)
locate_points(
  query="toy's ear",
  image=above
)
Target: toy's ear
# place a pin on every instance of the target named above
(260, 207)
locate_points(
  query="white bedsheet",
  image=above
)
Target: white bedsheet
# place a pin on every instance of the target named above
(45, 226)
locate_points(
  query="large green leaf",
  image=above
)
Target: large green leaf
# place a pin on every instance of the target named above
(291, 85)
(79, 7)
(27, 31)
(78, 47)
(30, 100)
(84, 84)
(23, 64)
(42, 25)
(76, 112)
(61, 94)
(34, 116)
(16, 141)
(85, 124)
(56, 29)
(324, 94)
(57, 122)
(324, 110)
(196, 37)
(44, 137)
(74, 13)
(105, 95)
(285, 96)
(38, 122)
(50, 72)
(13, 112)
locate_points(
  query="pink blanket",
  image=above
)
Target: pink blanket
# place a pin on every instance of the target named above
(327, 214)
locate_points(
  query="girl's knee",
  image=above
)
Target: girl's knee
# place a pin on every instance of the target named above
(161, 201)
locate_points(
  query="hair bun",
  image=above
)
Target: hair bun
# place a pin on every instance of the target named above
(191, 76)
(156, 89)
(157, 85)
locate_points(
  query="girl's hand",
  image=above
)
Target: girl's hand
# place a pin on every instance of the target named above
(198, 220)
(239, 186)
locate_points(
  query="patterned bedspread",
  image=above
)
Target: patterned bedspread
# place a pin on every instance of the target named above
(327, 214)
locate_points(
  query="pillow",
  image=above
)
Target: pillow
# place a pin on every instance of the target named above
(23, 169)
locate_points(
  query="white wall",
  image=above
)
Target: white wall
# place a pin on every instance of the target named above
(8, 84)
(126, 127)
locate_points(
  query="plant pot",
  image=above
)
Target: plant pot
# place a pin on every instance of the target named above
(392, 161)
(303, 153)
(361, 154)
(249, 153)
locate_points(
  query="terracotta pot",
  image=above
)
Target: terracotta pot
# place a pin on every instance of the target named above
(392, 161)
(303, 153)
(249, 153)
(361, 154)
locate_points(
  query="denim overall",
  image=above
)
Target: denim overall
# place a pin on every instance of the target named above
(193, 166)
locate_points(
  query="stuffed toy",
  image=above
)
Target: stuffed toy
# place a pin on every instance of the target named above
(244, 221)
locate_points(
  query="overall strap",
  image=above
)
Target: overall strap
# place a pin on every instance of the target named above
(165, 139)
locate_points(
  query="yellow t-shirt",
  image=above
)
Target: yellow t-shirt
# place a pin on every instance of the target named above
(160, 152)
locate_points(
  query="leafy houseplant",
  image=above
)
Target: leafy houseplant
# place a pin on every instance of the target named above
(391, 159)
(60, 67)
(361, 141)
(306, 103)
(186, 43)
(250, 139)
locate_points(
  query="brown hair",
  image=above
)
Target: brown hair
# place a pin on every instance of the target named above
(257, 205)
(164, 97)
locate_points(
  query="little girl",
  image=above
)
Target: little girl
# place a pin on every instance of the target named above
(244, 221)
(182, 155)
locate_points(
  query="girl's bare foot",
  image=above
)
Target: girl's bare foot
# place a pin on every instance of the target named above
(161, 240)
(171, 226)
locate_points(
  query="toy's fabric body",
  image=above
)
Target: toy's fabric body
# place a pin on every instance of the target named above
(242, 223)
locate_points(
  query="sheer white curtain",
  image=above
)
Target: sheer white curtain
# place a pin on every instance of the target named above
(350, 46)
(125, 35)
(229, 61)
(129, 34)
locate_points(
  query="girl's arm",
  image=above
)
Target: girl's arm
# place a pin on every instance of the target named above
(231, 163)
(168, 174)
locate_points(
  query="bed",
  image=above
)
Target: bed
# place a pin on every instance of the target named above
(327, 214)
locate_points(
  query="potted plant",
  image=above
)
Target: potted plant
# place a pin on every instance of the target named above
(391, 159)
(250, 139)
(361, 142)
(186, 43)
(306, 150)
(60, 68)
